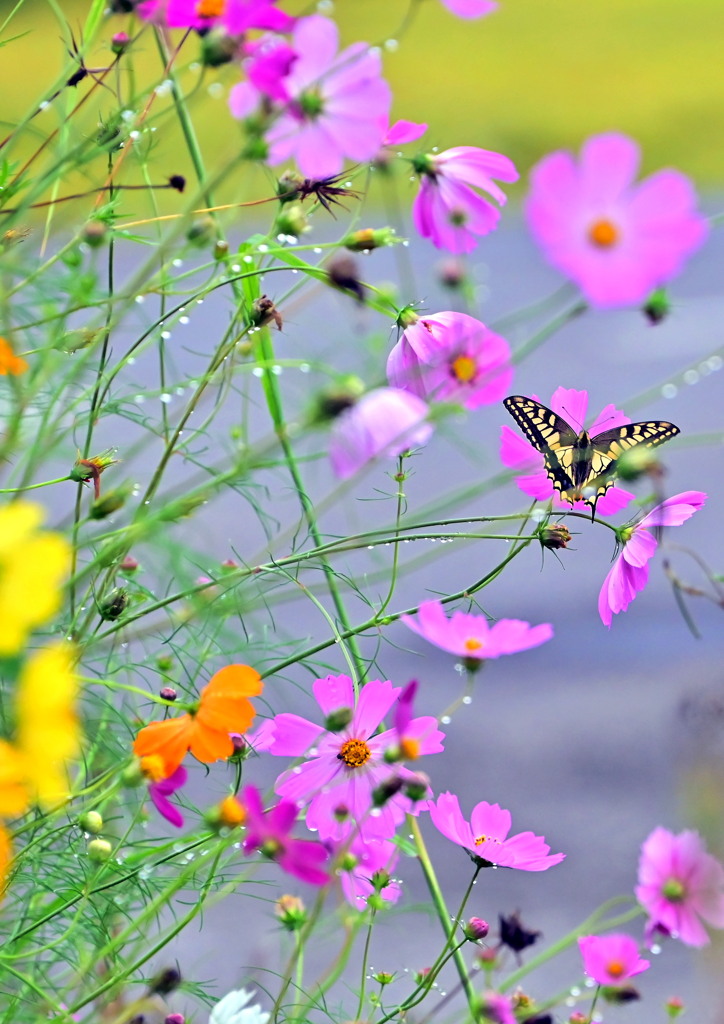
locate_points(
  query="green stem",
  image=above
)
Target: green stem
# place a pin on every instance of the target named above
(33, 487)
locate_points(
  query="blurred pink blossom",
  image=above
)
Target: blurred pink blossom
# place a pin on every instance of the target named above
(617, 240)
(519, 454)
(451, 357)
(471, 8)
(611, 959)
(384, 422)
(630, 572)
(486, 835)
(471, 636)
(679, 883)
(270, 832)
(447, 210)
(233, 16)
(370, 862)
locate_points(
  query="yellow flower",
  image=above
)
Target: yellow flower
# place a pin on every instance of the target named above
(9, 362)
(32, 567)
(6, 856)
(48, 730)
(13, 789)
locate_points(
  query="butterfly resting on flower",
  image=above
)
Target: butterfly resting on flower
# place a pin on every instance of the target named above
(581, 467)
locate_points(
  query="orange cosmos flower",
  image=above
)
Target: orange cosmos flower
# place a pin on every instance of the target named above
(9, 362)
(223, 707)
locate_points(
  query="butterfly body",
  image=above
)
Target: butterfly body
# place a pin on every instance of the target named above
(581, 467)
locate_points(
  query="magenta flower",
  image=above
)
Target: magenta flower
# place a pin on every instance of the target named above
(162, 789)
(471, 636)
(337, 104)
(611, 959)
(270, 832)
(485, 836)
(404, 131)
(451, 357)
(235, 17)
(618, 241)
(497, 1008)
(347, 759)
(519, 454)
(470, 8)
(679, 883)
(630, 572)
(366, 866)
(384, 422)
(410, 734)
(447, 210)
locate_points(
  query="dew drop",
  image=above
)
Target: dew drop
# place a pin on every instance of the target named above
(139, 399)
(316, 250)
(445, 720)
(467, 699)
(140, 298)
(165, 335)
(715, 363)
(183, 319)
(392, 45)
(262, 248)
(257, 371)
(165, 398)
(691, 377)
(304, 367)
(215, 90)
(669, 391)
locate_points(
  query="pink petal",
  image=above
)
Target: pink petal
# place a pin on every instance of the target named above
(293, 736)
(333, 693)
(404, 131)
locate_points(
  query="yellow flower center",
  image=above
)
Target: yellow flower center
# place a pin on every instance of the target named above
(615, 968)
(153, 767)
(464, 368)
(231, 812)
(485, 839)
(354, 753)
(210, 8)
(410, 749)
(472, 644)
(603, 233)
(673, 890)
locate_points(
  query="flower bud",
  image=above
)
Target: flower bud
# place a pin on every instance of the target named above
(406, 317)
(291, 912)
(554, 536)
(289, 185)
(241, 748)
(85, 470)
(658, 306)
(342, 274)
(386, 790)
(369, 238)
(119, 42)
(168, 693)
(201, 232)
(113, 605)
(422, 975)
(133, 775)
(291, 220)
(487, 957)
(217, 49)
(175, 1018)
(638, 461)
(579, 1018)
(338, 720)
(164, 662)
(229, 813)
(165, 982)
(380, 879)
(452, 273)
(333, 401)
(417, 788)
(94, 233)
(383, 978)
(674, 1006)
(109, 503)
(620, 994)
(341, 813)
(348, 861)
(263, 312)
(129, 564)
(476, 929)
(99, 850)
(221, 250)
(229, 565)
(91, 822)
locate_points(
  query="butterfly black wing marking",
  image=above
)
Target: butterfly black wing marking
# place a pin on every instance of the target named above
(574, 462)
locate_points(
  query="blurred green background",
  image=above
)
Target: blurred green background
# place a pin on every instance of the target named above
(537, 75)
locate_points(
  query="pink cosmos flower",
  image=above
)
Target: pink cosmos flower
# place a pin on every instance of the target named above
(679, 883)
(611, 959)
(404, 131)
(384, 422)
(471, 636)
(470, 8)
(618, 241)
(485, 836)
(161, 790)
(337, 104)
(410, 733)
(447, 210)
(497, 1008)
(630, 572)
(367, 871)
(232, 16)
(347, 759)
(270, 832)
(519, 454)
(451, 357)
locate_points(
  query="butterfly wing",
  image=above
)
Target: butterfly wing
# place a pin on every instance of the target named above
(609, 445)
(549, 434)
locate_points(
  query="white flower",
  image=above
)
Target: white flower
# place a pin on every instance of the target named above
(231, 1010)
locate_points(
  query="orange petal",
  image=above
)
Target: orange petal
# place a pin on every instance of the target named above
(170, 740)
(234, 681)
(223, 705)
(227, 715)
(209, 745)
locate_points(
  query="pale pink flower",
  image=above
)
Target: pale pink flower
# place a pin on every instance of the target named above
(611, 959)
(384, 423)
(679, 883)
(471, 636)
(336, 104)
(630, 572)
(618, 241)
(520, 455)
(451, 357)
(270, 833)
(366, 867)
(447, 210)
(496, 1008)
(346, 759)
(235, 17)
(470, 8)
(485, 836)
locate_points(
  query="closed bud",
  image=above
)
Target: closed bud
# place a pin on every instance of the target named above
(91, 822)
(554, 536)
(241, 748)
(422, 975)
(229, 565)
(418, 787)
(129, 564)
(341, 813)
(348, 861)
(113, 605)
(657, 307)
(119, 42)
(674, 1007)
(384, 978)
(221, 250)
(201, 232)
(369, 238)
(291, 912)
(94, 233)
(289, 185)
(165, 982)
(406, 317)
(386, 790)
(218, 49)
(342, 273)
(339, 396)
(263, 312)
(133, 775)
(620, 994)
(476, 929)
(487, 957)
(291, 220)
(109, 503)
(182, 508)
(381, 879)
(99, 850)
(164, 662)
(167, 693)
(452, 273)
(228, 813)
(638, 461)
(338, 720)
(177, 182)
(85, 470)
(175, 1018)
